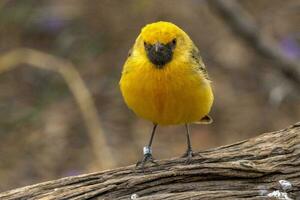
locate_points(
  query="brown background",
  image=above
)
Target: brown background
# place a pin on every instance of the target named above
(42, 133)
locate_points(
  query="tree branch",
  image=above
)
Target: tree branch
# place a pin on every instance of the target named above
(248, 169)
(82, 95)
(244, 26)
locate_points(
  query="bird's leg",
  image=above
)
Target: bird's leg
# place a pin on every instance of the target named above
(148, 151)
(189, 152)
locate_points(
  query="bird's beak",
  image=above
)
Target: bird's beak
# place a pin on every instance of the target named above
(158, 47)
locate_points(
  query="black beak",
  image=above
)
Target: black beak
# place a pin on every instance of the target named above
(159, 54)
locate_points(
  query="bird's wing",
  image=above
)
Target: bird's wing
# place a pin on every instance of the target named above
(125, 67)
(198, 60)
(130, 52)
(201, 68)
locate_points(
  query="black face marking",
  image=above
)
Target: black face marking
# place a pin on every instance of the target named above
(160, 54)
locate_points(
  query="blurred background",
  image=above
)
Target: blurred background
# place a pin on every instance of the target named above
(43, 131)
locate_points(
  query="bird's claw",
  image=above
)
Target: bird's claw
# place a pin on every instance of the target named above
(147, 158)
(188, 155)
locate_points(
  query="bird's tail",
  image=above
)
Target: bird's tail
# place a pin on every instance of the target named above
(205, 120)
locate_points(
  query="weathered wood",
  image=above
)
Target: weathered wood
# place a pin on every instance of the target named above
(249, 169)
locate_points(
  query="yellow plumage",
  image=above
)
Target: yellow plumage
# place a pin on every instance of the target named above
(177, 93)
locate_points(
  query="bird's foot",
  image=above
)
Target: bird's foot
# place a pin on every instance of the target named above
(188, 155)
(147, 159)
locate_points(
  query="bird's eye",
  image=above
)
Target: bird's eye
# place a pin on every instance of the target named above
(172, 44)
(174, 41)
(147, 46)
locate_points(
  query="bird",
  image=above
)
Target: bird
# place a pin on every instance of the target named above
(165, 81)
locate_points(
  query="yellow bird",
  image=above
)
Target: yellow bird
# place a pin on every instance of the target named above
(165, 81)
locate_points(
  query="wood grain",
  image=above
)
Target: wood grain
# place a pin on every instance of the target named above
(248, 169)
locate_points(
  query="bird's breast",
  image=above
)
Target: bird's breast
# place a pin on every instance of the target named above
(172, 95)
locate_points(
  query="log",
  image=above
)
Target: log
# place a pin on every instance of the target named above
(264, 167)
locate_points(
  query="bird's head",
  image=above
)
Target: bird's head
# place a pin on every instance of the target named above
(161, 42)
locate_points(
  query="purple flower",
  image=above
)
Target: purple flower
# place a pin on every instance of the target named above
(54, 24)
(290, 47)
(72, 173)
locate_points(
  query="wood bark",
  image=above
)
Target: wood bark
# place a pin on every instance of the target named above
(249, 169)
